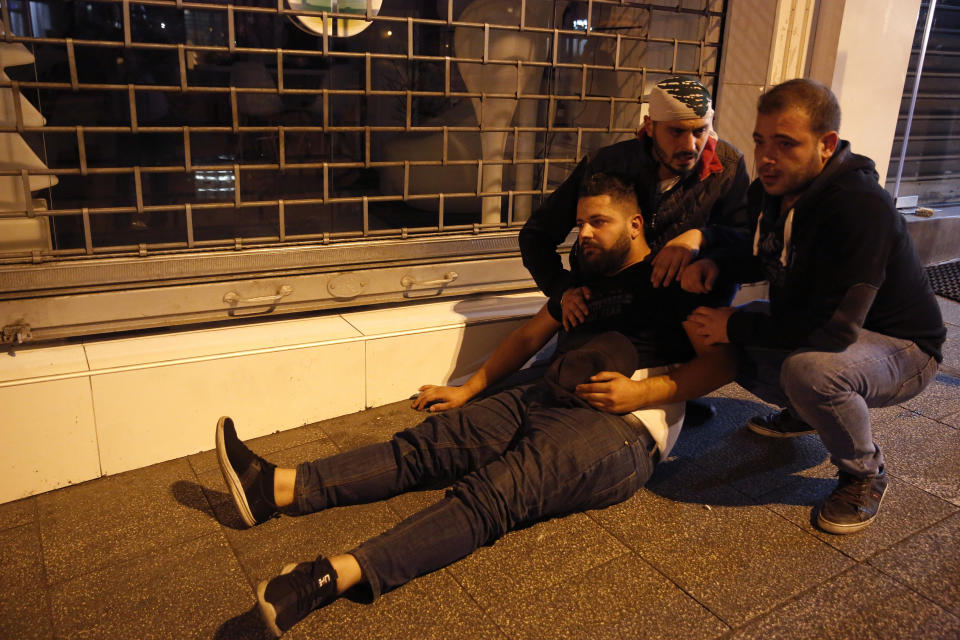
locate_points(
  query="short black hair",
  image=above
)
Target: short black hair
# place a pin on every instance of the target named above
(813, 98)
(616, 185)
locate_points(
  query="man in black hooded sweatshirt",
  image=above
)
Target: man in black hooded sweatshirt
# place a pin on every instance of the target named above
(852, 321)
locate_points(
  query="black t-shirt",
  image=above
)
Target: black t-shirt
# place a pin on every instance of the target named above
(650, 317)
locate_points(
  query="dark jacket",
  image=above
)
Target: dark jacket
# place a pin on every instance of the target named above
(711, 198)
(849, 263)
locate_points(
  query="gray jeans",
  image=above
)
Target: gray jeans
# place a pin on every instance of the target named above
(831, 390)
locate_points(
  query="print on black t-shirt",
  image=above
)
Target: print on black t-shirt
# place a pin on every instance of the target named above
(650, 317)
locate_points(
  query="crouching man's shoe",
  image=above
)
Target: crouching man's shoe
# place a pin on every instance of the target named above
(299, 589)
(854, 504)
(779, 425)
(248, 476)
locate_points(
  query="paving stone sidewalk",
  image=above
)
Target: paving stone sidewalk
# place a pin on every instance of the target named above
(719, 545)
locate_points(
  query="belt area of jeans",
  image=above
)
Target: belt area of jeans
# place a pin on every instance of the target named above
(643, 435)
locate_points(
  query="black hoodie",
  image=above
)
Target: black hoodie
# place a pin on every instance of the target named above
(849, 263)
(712, 201)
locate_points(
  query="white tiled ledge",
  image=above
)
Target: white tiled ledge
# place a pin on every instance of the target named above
(75, 412)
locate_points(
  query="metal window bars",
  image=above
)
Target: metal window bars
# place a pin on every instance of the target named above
(184, 134)
(236, 173)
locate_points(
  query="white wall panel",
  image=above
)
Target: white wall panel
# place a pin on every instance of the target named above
(47, 437)
(149, 415)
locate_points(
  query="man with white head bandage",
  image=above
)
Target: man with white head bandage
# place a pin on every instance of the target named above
(691, 186)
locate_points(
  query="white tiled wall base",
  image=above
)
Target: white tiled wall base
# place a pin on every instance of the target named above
(74, 412)
(48, 438)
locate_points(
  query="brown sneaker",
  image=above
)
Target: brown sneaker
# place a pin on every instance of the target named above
(853, 504)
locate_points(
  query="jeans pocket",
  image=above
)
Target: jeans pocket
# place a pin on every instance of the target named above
(624, 476)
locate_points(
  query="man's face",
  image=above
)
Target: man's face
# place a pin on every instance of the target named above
(606, 231)
(679, 143)
(789, 155)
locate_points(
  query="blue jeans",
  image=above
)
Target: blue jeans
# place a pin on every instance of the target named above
(515, 459)
(831, 390)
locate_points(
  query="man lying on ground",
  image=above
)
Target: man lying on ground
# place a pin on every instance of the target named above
(580, 438)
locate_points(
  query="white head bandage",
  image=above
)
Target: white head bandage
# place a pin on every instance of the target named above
(679, 98)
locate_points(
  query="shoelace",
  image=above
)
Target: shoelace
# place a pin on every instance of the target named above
(305, 587)
(853, 490)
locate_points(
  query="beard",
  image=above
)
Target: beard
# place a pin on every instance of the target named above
(604, 262)
(666, 161)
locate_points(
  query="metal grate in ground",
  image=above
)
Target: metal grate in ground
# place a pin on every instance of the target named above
(945, 279)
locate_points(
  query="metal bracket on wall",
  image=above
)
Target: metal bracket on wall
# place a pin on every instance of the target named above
(16, 334)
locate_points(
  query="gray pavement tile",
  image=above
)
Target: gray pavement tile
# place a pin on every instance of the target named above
(431, 607)
(905, 510)
(512, 572)
(736, 392)
(113, 519)
(407, 504)
(733, 556)
(950, 310)
(218, 496)
(264, 445)
(373, 425)
(622, 598)
(861, 603)
(264, 549)
(928, 562)
(923, 452)
(951, 349)
(24, 601)
(754, 464)
(732, 415)
(181, 592)
(18, 513)
(952, 420)
(941, 398)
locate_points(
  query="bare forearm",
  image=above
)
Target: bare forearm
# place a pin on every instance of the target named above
(513, 352)
(690, 380)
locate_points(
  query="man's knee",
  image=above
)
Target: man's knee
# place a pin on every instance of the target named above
(805, 374)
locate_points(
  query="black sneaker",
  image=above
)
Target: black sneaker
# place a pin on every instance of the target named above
(853, 504)
(779, 425)
(299, 589)
(249, 477)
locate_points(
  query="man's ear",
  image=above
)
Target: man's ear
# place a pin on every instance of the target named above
(636, 225)
(647, 126)
(828, 145)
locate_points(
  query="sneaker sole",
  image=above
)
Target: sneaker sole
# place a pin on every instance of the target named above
(231, 479)
(772, 433)
(267, 611)
(843, 529)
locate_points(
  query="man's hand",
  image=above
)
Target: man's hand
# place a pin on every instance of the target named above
(672, 260)
(710, 324)
(700, 276)
(573, 304)
(433, 398)
(611, 391)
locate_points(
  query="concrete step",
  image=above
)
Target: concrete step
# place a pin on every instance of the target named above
(937, 238)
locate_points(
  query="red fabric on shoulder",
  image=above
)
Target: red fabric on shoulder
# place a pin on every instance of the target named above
(709, 161)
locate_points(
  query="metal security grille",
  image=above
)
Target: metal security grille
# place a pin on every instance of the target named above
(925, 161)
(173, 161)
